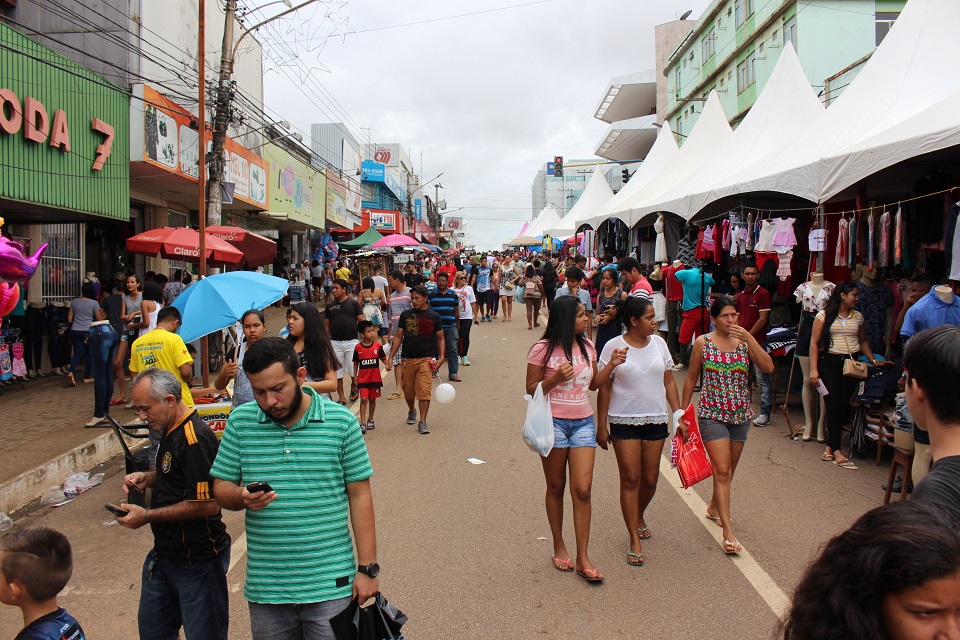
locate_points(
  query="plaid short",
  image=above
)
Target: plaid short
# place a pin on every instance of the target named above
(396, 358)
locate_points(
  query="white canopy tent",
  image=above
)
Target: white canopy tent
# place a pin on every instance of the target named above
(786, 105)
(547, 218)
(896, 108)
(710, 132)
(594, 197)
(661, 154)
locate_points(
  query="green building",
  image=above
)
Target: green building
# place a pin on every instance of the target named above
(735, 45)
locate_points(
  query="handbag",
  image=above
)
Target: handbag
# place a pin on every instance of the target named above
(531, 290)
(379, 621)
(538, 427)
(690, 457)
(855, 369)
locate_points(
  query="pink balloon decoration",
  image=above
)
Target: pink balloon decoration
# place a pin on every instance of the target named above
(9, 296)
(15, 265)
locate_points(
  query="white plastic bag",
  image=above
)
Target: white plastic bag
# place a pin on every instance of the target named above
(538, 427)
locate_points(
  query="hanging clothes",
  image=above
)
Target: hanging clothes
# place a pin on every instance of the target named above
(871, 224)
(784, 237)
(726, 235)
(718, 241)
(750, 232)
(952, 244)
(686, 251)
(19, 367)
(898, 237)
(783, 265)
(843, 239)
(660, 249)
(765, 240)
(852, 244)
(883, 257)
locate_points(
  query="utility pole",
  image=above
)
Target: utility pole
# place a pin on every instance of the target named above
(202, 172)
(436, 219)
(221, 117)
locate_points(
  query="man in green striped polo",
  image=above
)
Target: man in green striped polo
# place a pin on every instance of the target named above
(301, 569)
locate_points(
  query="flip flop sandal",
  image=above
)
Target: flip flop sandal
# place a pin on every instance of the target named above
(341, 402)
(395, 396)
(354, 395)
(567, 564)
(716, 519)
(634, 559)
(591, 575)
(644, 533)
(115, 403)
(827, 457)
(846, 464)
(731, 548)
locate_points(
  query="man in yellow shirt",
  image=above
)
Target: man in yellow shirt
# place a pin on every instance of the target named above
(343, 273)
(163, 348)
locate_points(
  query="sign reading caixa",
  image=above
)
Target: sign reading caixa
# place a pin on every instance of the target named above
(32, 117)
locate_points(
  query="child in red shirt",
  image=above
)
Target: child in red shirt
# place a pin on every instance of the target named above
(367, 356)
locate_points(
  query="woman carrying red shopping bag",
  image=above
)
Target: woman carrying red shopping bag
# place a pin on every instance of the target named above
(724, 358)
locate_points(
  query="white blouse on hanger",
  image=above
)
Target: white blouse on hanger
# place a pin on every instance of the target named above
(811, 303)
(765, 241)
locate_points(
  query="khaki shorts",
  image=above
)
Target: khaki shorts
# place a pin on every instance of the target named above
(417, 378)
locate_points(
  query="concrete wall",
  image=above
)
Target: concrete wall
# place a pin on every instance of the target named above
(667, 37)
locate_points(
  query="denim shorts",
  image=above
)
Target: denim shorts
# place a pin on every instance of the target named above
(652, 432)
(569, 433)
(716, 430)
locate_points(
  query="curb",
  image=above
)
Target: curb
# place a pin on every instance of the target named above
(29, 486)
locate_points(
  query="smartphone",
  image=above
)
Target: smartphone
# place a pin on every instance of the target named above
(254, 487)
(136, 496)
(115, 510)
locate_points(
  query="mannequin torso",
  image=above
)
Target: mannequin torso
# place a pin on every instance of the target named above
(945, 293)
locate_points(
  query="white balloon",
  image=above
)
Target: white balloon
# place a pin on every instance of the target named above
(445, 393)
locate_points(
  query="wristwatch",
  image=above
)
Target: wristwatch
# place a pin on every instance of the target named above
(372, 569)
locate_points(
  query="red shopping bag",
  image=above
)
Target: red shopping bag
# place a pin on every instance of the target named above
(690, 457)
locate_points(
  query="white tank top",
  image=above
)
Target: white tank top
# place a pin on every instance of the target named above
(152, 317)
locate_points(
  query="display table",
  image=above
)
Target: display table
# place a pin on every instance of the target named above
(214, 415)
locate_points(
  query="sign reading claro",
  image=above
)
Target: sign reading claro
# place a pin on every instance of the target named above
(33, 118)
(183, 251)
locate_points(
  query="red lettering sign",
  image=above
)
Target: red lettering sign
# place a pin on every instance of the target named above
(37, 120)
(104, 148)
(59, 135)
(12, 123)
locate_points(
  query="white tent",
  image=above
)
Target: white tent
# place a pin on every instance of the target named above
(710, 132)
(786, 105)
(661, 154)
(888, 114)
(594, 197)
(548, 217)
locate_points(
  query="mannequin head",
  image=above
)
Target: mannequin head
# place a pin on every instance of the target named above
(816, 277)
(864, 274)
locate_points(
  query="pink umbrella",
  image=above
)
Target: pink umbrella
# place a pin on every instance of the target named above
(396, 240)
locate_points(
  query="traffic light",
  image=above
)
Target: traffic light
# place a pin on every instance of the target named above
(558, 166)
(625, 175)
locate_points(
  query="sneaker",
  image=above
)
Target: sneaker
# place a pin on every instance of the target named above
(460, 359)
(464, 361)
(411, 417)
(762, 420)
(898, 486)
(422, 428)
(95, 421)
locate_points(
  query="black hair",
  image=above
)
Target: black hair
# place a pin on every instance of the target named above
(268, 351)
(633, 307)
(168, 313)
(923, 279)
(420, 290)
(39, 558)
(135, 277)
(719, 304)
(368, 283)
(444, 275)
(832, 309)
(396, 274)
(161, 279)
(561, 329)
(340, 282)
(149, 276)
(580, 259)
(256, 312)
(317, 347)
(152, 291)
(530, 271)
(628, 264)
(187, 278)
(750, 265)
(362, 326)
(573, 273)
(890, 549)
(740, 287)
(932, 360)
(315, 263)
(548, 268)
(88, 290)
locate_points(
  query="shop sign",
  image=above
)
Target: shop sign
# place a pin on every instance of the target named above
(418, 209)
(395, 186)
(373, 171)
(171, 141)
(453, 223)
(381, 220)
(34, 119)
(299, 190)
(400, 258)
(336, 199)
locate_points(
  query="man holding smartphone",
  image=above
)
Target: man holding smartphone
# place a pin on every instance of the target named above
(301, 567)
(184, 581)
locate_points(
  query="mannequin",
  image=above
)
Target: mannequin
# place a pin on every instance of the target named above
(673, 290)
(812, 296)
(876, 305)
(945, 293)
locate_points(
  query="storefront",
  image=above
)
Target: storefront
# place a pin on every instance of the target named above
(64, 135)
(298, 202)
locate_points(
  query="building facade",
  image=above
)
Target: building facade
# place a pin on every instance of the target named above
(734, 47)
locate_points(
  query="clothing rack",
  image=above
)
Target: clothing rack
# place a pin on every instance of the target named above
(8, 339)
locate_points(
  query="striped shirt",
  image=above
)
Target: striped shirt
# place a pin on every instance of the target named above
(446, 305)
(844, 333)
(399, 302)
(299, 547)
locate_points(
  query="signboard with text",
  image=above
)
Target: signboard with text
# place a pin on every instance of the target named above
(299, 190)
(381, 220)
(336, 199)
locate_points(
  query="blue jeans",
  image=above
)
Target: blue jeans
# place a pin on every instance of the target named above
(81, 350)
(451, 340)
(765, 382)
(569, 433)
(102, 341)
(176, 595)
(307, 621)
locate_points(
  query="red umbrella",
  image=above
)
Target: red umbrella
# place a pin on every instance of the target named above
(182, 243)
(257, 249)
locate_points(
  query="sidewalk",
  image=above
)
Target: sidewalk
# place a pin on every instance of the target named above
(43, 439)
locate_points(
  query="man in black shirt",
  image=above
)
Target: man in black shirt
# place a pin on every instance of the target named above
(184, 580)
(932, 363)
(420, 331)
(341, 317)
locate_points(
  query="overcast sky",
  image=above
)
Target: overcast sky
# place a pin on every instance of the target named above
(486, 99)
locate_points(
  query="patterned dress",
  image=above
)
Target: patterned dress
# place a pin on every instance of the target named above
(726, 380)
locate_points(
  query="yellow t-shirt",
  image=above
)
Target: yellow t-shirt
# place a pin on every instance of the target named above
(844, 332)
(342, 273)
(163, 349)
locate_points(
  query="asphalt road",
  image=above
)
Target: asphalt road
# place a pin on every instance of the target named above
(465, 547)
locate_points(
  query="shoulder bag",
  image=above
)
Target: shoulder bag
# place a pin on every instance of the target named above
(854, 368)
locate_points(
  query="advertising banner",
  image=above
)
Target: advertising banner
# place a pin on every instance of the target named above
(451, 223)
(395, 185)
(381, 220)
(373, 171)
(298, 190)
(418, 209)
(352, 165)
(336, 199)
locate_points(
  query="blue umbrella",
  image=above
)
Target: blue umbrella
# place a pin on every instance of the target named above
(218, 301)
(432, 247)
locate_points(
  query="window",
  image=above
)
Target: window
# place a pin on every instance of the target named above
(790, 31)
(721, 82)
(679, 126)
(740, 12)
(729, 76)
(746, 74)
(773, 37)
(709, 45)
(885, 20)
(760, 48)
(676, 82)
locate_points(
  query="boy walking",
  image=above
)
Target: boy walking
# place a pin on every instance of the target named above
(35, 565)
(367, 356)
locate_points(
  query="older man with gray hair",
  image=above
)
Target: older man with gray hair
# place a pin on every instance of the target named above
(184, 579)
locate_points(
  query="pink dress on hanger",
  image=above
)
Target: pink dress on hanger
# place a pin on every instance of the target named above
(784, 238)
(843, 239)
(783, 265)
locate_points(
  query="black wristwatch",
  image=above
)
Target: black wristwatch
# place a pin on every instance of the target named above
(372, 569)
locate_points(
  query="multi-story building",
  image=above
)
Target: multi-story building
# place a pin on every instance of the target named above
(735, 45)
(562, 192)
